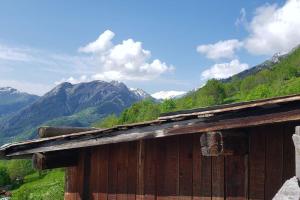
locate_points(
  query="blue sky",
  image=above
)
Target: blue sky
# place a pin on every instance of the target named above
(153, 45)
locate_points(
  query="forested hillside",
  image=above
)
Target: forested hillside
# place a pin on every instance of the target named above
(275, 79)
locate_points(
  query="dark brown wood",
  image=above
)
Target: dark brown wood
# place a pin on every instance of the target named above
(51, 160)
(185, 167)
(113, 171)
(236, 180)
(201, 172)
(274, 160)
(86, 174)
(140, 170)
(218, 178)
(46, 131)
(94, 169)
(150, 171)
(132, 170)
(122, 169)
(288, 152)
(167, 168)
(257, 163)
(103, 171)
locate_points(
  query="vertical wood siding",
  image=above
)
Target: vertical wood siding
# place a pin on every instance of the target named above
(173, 168)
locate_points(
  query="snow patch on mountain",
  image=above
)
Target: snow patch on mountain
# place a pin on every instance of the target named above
(168, 94)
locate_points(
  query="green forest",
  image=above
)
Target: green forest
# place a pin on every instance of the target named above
(282, 78)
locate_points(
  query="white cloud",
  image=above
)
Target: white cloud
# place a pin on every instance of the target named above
(126, 61)
(168, 94)
(73, 80)
(274, 29)
(224, 70)
(221, 49)
(101, 44)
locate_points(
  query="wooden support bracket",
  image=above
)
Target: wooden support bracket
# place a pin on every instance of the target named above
(54, 159)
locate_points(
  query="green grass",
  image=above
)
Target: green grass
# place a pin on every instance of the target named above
(49, 186)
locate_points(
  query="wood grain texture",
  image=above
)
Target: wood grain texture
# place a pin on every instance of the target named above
(150, 173)
(122, 169)
(132, 170)
(167, 169)
(185, 167)
(257, 148)
(113, 171)
(140, 170)
(288, 151)
(274, 160)
(218, 178)
(236, 181)
(201, 172)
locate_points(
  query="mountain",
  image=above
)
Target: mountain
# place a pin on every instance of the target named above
(12, 100)
(141, 94)
(70, 105)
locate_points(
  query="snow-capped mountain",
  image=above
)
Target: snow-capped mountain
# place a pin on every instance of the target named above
(12, 100)
(141, 94)
(168, 94)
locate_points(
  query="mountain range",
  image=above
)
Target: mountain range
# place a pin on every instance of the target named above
(67, 104)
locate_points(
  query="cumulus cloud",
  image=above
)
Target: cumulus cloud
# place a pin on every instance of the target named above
(274, 29)
(221, 49)
(125, 61)
(224, 70)
(101, 44)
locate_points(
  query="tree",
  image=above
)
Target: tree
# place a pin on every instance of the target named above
(4, 177)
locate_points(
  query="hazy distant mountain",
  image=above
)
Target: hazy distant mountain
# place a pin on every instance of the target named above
(12, 100)
(71, 105)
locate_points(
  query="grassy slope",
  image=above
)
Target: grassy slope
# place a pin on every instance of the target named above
(49, 186)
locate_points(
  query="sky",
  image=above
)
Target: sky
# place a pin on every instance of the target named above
(157, 46)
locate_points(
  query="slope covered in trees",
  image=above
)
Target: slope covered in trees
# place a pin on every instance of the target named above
(282, 78)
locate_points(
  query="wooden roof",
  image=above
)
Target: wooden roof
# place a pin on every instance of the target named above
(222, 117)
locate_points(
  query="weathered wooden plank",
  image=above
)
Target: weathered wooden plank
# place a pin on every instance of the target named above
(103, 171)
(132, 170)
(288, 151)
(274, 160)
(257, 152)
(218, 178)
(113, 172)
(167, 169)
(140, 170)
(47, 131)
(186, 167)
(71, 189)
(236, 181)
(150, 173)
(201, 172)
(122, 166)
(167, 129)
(86, 174)
(80, 176)
(94, 185)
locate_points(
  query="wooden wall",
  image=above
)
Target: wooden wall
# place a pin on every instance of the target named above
(173, 168)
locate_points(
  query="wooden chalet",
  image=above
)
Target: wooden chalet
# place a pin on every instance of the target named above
(234, 151)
